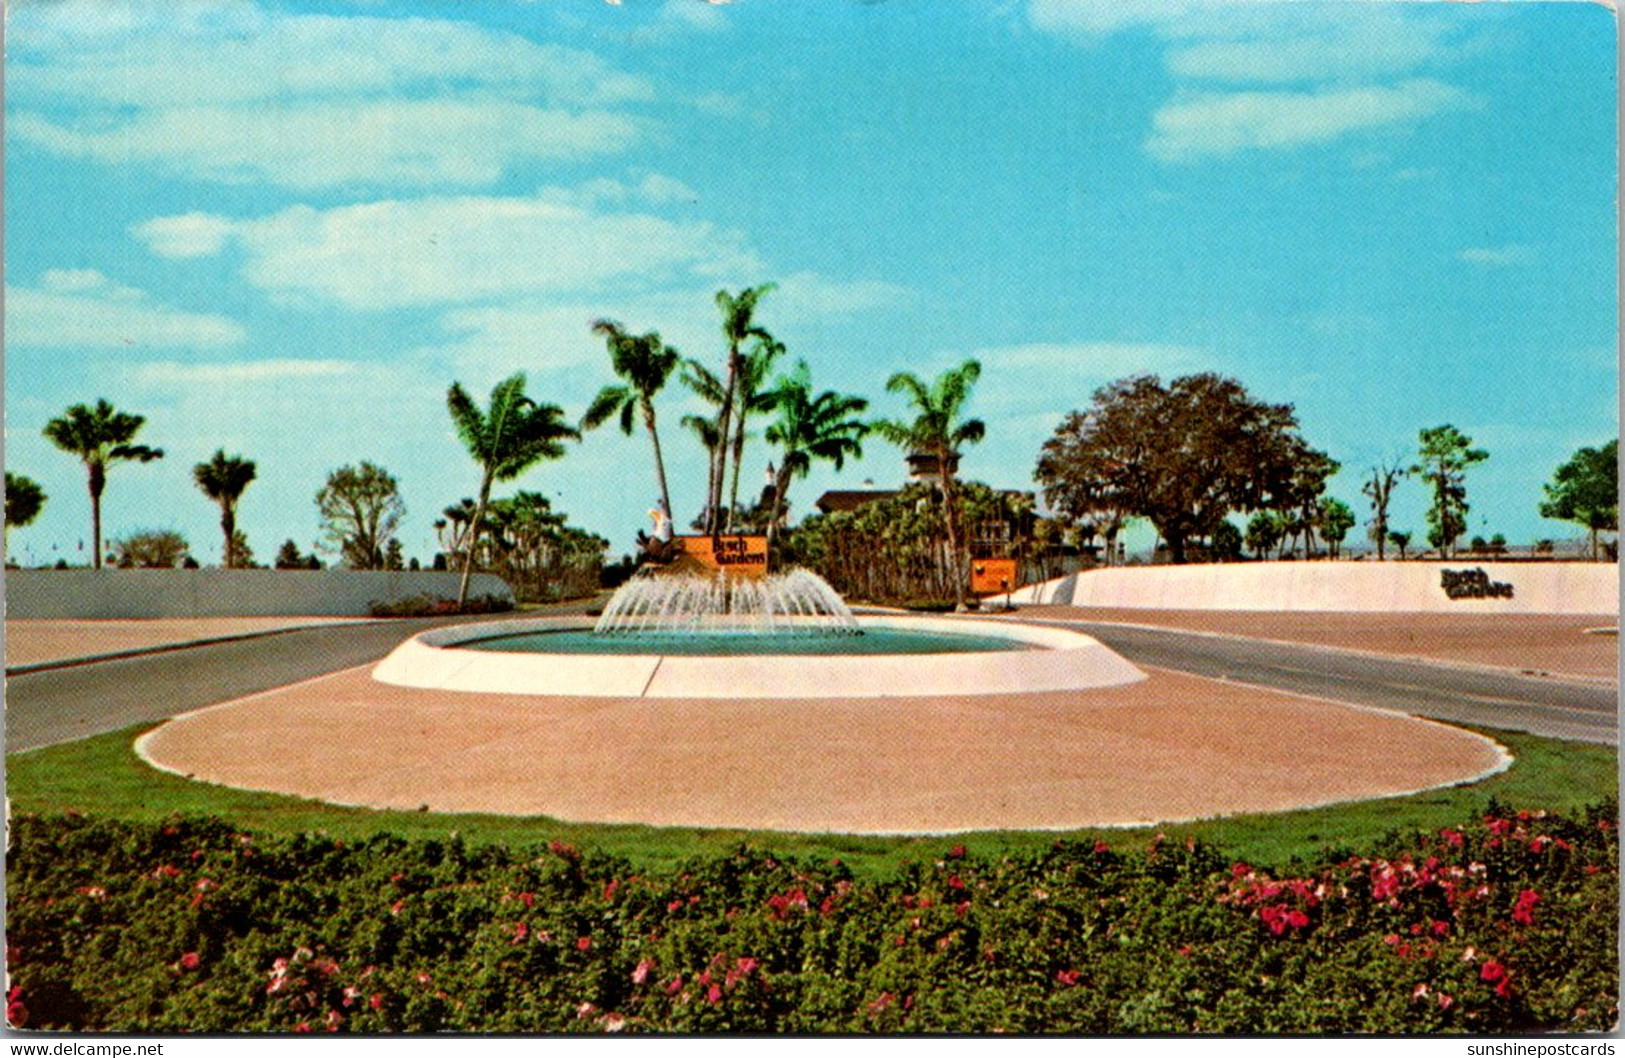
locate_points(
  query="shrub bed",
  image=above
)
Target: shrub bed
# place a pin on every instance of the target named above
(1507, 924)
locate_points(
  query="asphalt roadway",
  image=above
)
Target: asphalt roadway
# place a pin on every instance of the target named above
(58, 705)
(1577, 710)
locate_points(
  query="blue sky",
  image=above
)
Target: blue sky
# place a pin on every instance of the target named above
(1390, 216)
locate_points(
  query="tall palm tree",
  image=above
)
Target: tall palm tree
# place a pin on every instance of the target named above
(808, 428)
(223, 479)
(24, 500)
(100, 437)
(738, 326)
(751, 397)
(938, 430)
(505, 440)
(645, 362)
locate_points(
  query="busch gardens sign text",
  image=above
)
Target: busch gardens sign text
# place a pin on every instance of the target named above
(1472, 584)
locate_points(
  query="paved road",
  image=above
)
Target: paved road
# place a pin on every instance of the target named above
(1543, 705)
(58, 705)
(43, 708)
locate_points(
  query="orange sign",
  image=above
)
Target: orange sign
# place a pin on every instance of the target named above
(993, 576)
(741, 556)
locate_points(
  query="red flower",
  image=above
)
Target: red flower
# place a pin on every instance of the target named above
(609, 890)
(190, 961)
(1523, 912)
(583, 943)
(520, 932)
(675, 986)
(1441, 929)
(674, 905)
(1452, 838)
(1492, 971)
(1503, 987)
(713, 994)
(1101, 846)
(954, 882)
(528, 899)
(957, 852)
(303, 1026)
(377, 1001)
(1070, 978)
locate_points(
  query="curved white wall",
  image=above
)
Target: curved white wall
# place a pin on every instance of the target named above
(1347, 587)
(127, 593)
(1063, 660)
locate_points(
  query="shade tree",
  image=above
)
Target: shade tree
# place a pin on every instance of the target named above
(360, 509)
(1445, 455)
(24, 501)
(1183, 455)
(1585, 490)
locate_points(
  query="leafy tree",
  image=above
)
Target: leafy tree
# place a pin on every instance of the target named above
(1225, 543)
(288, 557)
(24, 500)
(1446, 453)
(223, 479)
(394, 555)
(1380, 488)
(738, 327)
(646, 363)
(1336, 519)
(506, 439)
(809, 428)
(151, 549)
(1300, 505)
(242, 554)
(1183, 455)
(100, 437)
(1264, 531)
(1400, 539)
(939, 429)
(1586, 490)
(360, 509)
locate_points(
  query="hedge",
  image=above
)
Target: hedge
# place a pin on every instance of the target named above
(1505, 924)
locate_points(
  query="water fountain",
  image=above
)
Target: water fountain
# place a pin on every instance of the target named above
(704, 635)
(798, 603)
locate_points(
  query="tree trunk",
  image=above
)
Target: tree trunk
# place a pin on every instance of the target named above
(228, 526)
(473, 540)
(1176, 547)
(98, 481)
(781, 485)
(660, 462)
(739, 458)
(719, 466)
(950, 516)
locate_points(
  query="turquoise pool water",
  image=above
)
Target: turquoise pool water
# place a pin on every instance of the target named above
(869, 641)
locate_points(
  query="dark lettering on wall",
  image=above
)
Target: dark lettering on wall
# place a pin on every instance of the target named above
(1472, 584)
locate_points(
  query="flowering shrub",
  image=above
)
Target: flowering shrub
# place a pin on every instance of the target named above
(1507, 924)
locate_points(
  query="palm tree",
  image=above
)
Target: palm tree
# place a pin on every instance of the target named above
(738, 325)
(809, 428)
(645, 362)
(937, 430)
(99, 436)
(753, 372)
(24, 500)
(505, 441)
(223, 479)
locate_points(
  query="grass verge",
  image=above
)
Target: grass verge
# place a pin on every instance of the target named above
(103, 777)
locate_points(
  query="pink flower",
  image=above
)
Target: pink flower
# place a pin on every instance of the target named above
(746, 965)
(528, 899)
(376, 1001)
(1452, 838)
(674, 905)
(583, 943)
(713, 994)
(303, 1026)
(1069, 977)
(641, 973)
(675, 985)
(1419, 992)
(609, 890)
(1441, 929)
(520, 932)
(397, 907)
(190, 961)
(1445, 1002)
(585, 1010)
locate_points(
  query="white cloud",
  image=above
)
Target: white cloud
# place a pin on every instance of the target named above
(1220, 125)
(187, 235)
(307, 102)
(1494, 256)
(449, 250)
(1357, 67)
(808, 295)
(83, 309)
(174, 372)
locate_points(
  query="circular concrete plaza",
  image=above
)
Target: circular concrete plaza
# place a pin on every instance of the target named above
(1161, 749)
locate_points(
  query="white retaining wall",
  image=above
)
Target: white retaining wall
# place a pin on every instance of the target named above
(1328, 587)
(127, 593)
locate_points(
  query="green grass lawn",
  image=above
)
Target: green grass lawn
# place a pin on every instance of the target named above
(102, 776)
